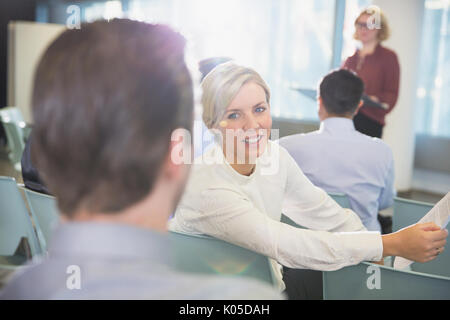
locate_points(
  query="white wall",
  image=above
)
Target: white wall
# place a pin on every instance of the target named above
(405, 19)
(26, 43)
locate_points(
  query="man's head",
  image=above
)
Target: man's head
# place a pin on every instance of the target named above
(106, 101)
(340, 94)
(205, 66)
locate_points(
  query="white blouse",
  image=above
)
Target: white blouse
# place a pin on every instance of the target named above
(246, 211)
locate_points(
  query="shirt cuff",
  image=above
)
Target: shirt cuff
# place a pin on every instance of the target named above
(362, 246)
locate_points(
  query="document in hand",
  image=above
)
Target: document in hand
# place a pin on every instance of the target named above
(440, 215)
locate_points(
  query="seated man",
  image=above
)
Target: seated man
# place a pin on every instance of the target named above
(107, 100)
(337, 158)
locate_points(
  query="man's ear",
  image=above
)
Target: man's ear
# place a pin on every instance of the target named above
(361, 102)
(321, 109)
(179, 154)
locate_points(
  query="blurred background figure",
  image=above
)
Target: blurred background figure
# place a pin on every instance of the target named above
(379, 69)
(206, 65)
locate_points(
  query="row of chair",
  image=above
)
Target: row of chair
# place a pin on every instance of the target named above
(19, 239)
(408, 212)
(429, 280)
(366, 281)
(15, 222)
(203, 254)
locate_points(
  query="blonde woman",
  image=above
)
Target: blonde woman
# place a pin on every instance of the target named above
(378, 67)
(239, 197)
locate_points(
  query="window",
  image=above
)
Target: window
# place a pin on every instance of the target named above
(433, 94)
(302, 51)
(291, 43)
(288, 42)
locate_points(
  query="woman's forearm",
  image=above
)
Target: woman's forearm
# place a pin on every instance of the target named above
(390, 246)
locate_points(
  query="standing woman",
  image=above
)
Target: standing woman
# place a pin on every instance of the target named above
(379, 69)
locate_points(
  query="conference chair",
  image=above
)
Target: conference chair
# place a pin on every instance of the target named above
(368, 281)
(45, 215)
(408, 212)
(340, 198)
(289, 221)
(16, 227)
(15, 129)
(208, 255)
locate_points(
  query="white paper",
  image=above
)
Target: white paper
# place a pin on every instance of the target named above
(440, 215)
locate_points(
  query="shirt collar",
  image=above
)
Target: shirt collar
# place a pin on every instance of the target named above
(376, 51)
(110, 240)
(337, 124)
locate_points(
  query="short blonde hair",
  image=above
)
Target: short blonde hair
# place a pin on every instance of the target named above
(384, 32)
(221, 85)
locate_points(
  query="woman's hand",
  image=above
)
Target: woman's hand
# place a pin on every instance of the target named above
(419, 242)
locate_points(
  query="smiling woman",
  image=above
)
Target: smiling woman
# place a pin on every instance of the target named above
(248, 122)
(237, 105)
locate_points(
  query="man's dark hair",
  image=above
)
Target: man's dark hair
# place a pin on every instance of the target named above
(106, 100)
(341, 91)
(205, 66)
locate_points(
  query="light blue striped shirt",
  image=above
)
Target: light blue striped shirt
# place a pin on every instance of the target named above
(337, 158)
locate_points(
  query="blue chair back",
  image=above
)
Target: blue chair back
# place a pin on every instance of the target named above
(15, 221)
(408, 212)
(207, 255)
(45, 215)
(341, 199)
(367, 281)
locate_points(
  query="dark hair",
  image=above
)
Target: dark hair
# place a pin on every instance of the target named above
(205, 66)
(106, 100)
(341, 91)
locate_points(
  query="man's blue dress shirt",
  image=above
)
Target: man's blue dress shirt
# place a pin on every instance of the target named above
(337, 158)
